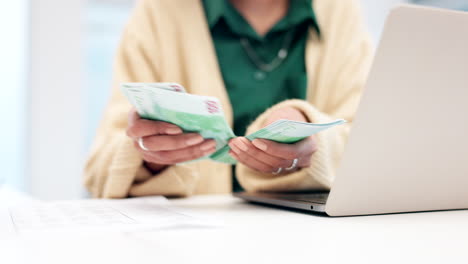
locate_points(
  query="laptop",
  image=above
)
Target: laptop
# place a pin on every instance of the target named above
(408, 148)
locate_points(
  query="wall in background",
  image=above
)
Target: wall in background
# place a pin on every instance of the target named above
(56, 120)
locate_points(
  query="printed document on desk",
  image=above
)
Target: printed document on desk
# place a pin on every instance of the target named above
(96, 216)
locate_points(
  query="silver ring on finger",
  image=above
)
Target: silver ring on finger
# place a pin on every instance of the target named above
(142, 146)
(278, 171)
(293, 166)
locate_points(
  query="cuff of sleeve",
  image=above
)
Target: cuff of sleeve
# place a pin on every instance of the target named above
(127, 169)
(122, 170)
(175, 181)
(317, 177)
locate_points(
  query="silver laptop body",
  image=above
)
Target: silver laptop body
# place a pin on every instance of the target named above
(408, 148)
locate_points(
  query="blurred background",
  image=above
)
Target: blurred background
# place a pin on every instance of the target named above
(55, 75)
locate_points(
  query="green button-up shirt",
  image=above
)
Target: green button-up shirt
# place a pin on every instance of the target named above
(251, 90)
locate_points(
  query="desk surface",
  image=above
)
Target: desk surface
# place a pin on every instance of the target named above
(257, 234)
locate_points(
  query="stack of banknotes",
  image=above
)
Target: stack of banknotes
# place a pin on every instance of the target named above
(169, 102)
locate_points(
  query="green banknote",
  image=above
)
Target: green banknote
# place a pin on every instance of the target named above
(192, 113)
(170, 103)
(282, 131)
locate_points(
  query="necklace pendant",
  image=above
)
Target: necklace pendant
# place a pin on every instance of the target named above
(259, 75)
(282, 53)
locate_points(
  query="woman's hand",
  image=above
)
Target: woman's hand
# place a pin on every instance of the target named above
(163, 144)
(271, 157)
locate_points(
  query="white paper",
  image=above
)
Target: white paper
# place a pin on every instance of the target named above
(96, 215)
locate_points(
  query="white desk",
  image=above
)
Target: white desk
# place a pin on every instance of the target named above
(257, 234)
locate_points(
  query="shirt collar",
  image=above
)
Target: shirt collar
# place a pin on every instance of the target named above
(299, 11)
(214, 10)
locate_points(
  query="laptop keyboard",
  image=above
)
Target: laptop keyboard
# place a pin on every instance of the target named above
(320, 198)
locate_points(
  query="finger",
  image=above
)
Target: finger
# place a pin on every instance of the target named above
(303, 162)
(139, 127)
(169, 142)
(287, 151)
(181, 155)
(243, 144)
(252, 163)
(188, 154)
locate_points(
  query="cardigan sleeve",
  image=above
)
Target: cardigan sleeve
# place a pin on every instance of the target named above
(341, 86)
(115, 168)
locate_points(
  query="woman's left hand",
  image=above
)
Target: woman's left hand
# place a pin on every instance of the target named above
(271, 157)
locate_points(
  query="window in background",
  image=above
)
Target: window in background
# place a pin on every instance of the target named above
(105, 20)
(453, 4)
(376, 13)
(13, 100)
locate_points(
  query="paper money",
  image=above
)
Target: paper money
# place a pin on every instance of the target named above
(282, 131)
(192, 113)
(170, 103)
(175, 87)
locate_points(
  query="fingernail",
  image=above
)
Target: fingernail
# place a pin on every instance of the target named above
(208, 145)
(259, 144)
(173, 131)
(241, 145)
(194, 140)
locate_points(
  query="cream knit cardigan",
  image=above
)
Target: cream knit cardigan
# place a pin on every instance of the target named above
(169, 41)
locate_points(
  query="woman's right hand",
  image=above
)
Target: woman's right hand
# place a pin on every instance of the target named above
(162, 144)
